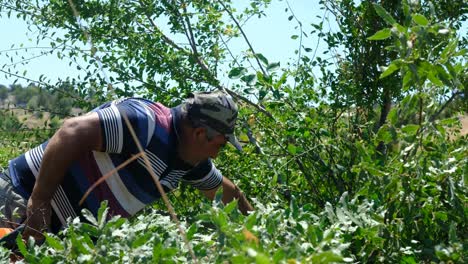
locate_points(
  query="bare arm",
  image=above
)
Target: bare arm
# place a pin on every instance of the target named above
(231, 192)
(75, 137)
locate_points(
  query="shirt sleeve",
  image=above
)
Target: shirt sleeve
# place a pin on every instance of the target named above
(116, 134)
(204, 177)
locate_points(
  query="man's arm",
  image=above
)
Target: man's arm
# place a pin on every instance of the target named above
(75, 137)
(230, 192)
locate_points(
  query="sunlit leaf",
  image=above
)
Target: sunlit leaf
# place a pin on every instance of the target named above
(420, 19)
(292, 149)
(230, 207)
(381, 34)
(54, 242)
(410, 129)
(389, 70)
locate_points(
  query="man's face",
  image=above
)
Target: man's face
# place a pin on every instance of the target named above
(212, 143)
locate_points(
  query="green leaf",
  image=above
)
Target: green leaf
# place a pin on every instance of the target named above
(273, 66)
(192, 231)
(250, 79)
(102, 213)
(230, 207)
(141, 240)
(407, 79)
(420, 19)
(410, 129)
(54, 242)
(381, 34)
(89, 216)
(294, 36)
(394, 66)
(393, 116)
(237, 72)
(250, 221)
(384, 14)
(449, 49)
(262, 259)
(434, 79)
(385, 134)
(292, 149)
(262, 58)
(326, 257)
(21, 245)
(461, 52)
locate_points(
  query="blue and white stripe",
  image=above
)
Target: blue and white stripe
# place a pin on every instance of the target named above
(112, 122)
(212, 180)
(150, 119)
(157, 164)
(172, 180)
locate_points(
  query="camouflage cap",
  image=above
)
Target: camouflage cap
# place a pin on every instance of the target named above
(215, 110)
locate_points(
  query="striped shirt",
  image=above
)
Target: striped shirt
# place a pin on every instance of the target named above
(131, 188)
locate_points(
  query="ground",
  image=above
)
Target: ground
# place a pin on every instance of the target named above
(464, 122)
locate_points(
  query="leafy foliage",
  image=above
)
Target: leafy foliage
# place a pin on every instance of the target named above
(357, 165)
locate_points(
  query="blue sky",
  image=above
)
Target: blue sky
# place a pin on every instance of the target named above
(270, 35)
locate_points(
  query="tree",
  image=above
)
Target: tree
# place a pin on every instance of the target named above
(358, 81)
(161, 49)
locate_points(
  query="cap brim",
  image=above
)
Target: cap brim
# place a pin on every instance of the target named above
(233, 140)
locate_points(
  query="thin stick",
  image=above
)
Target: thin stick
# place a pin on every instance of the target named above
(160, 188)
(142, 152)
(244, 35)
(107, 175)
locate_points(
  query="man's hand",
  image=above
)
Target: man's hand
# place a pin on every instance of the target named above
(38, 219)
(231, 192)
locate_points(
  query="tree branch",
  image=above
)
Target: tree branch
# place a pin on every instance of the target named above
(454, 95)
(158, 30)
(245, 37)
(191, 38)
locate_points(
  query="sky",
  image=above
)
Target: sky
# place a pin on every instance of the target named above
(270, 35)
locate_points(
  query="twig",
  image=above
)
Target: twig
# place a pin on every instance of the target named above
(159, 187)
(240, 97)
(165, 38)
(454, 95)
(245, 37)
(106, 176)
(300, 41)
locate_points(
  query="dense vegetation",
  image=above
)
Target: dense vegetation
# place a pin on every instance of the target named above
(362, 163)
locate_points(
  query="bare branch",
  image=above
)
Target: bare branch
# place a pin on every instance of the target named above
(244, 99)
(245, 37)
(191, 38)
(449, 101)
(158, 30)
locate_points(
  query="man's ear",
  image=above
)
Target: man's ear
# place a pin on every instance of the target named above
(199, 133)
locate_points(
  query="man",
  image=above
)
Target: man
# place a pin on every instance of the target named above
(179, 143)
